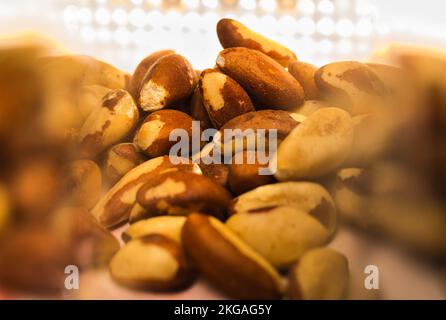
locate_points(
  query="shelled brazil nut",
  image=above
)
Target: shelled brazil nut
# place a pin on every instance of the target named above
(168, 226)
(120, 159)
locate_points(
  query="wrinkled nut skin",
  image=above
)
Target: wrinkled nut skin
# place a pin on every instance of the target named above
(110, 123)
(307, 197)
(143, 67)
(153, 262)
(198, 110)
(152, 137)
(265, 80)
(232, 33)
(181, 193)
(167, 226)
(227, 262)
(170, 81)
(217, 172)
(120, 159)
(316, 147)
(354, 86)
(223, 98)
(84, 183)
(321, 274)
(304, 73)
(244, 175)
(280, 234)
(114, 208)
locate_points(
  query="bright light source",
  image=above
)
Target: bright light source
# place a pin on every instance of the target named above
(325, 46)
(192, 3)
(247, 4)
(306, 26)
(137, 17)
(267, 5)
(345, 28)
(326, 7)
(102, 16)
(119, 16)
(211, 4)
(85, 15)
(364, 27)
(306, 6)
(325, 26)
(344, 46)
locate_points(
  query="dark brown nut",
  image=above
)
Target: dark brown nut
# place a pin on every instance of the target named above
(153, 135)
(316, 147)
(90, 244)
(223, 98)
(308, 197)
(167, 226)
(217, 172)
(120, 159)
(304, 73)
(280, 234)
(114, 208)
(198, 110)
(232, 33)
(227, 262)
(170, 81)
(90, 98)
(244, 175)
(5, 208)
(153, 262)
(84, 183)
(180, 193)
(353, 86)
(321, 274)
(142, 69)
(266, 81)
(309, 107)
(110, 123)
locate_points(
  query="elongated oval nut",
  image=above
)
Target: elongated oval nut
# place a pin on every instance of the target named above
(114, 208)
(280, 234)
(223, 98)
(110, 123)
(84, 183)
(120, 159)
(321, 274)
(308, 197)
(153, 262)
(180, 193)
(266, 81)
(232, 33)
(153, 135)
(304, 73)
(168, 226)
(198, 110)
(90, 99)
(170, 81)
(227, 262)
(143, 67)
(316, 147)
(352, 85)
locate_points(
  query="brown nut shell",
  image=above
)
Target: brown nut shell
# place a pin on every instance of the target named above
(84, 183)
(216, 171)
(304, 73)
(198, 110)
(120, 159)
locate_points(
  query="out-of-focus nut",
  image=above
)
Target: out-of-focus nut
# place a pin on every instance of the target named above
(180, 193)
(227, 262)
(223, 98)
(198, 110)
(4, 208)
(280, 234)
(84, 183)
(265, 80)
(110, 123)
(232, 33)
(114, 208)
(316, 147)
(309, 107)
(304, 73)
(153, 135)
(170, 81)
(120, 159)
(168, 226)
(90, 98)
(321, 274)
(153, 262)
(216, 171)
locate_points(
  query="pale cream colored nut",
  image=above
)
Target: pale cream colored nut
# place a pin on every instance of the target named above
(168, 226)
(266, 81)
(280, 234)
(170, 81)
(309, 107)
(181, 193)
(198, 110)
(91, 245)
(354, 86)
(114, 208)
(227, 262)
(153, 262)
(142, 69)
(152, 137)
(84, 183)
(232, 33)
(218, 172)
(304, 73)
(90, 98)
(120, 159)
(111, 122)
(316, 147)
(244, 172)
(223, 98)
(307, 197)
(4, 208)
(321, 274)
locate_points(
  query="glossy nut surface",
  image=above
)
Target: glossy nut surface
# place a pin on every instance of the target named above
(168, 226)
(120, 159)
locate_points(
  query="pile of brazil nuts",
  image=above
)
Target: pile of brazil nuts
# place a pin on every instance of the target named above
(251, 235)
